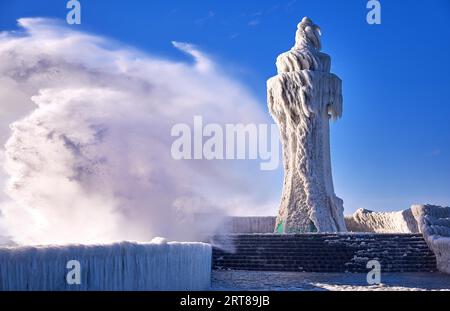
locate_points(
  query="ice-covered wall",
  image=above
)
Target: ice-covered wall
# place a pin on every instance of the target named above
(251, 224)
(434, 223)
(382, 222)
(122, 266)
(361, 221)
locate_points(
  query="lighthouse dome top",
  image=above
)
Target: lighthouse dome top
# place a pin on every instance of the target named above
(305, 55)
(308, 34)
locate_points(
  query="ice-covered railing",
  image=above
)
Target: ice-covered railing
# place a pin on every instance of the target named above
(249, 224)
(122, 266)
(361, 221)
(434, 223)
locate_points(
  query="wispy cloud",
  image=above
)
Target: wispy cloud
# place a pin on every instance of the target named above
(435, 152)
(202, 62)
(234, 35)
(253, 23)
(290, 4)
(204, 19)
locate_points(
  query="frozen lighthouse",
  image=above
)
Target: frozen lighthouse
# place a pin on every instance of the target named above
(302, 98)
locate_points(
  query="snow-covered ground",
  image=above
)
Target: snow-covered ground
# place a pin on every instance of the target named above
(301, 281)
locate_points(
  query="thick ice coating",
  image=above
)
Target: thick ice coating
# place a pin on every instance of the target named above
(302, 98)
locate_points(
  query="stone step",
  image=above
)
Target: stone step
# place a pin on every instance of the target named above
(354, 244)
(379, 247)
(305, 265)
(323, 267)
(319, 256)
(377, 250)
(312, 244)
(319, 263)
(323, 252)
(336, 242)
(338, 267)
(318, 236)
(322, 255)
(330, 255)
(309, 242)
(307, 247)
(325, 270)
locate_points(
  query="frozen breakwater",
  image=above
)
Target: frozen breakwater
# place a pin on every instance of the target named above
(121, 266)
(434, 223)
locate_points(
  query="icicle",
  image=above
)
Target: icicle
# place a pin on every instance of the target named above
(122, 266)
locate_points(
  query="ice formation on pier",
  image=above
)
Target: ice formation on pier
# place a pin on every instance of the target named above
(248, 224)
(382, 222)
(302, 98)
(121, 266)
(434, 223)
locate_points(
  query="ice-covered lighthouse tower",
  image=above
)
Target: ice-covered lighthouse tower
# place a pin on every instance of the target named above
(302, 98)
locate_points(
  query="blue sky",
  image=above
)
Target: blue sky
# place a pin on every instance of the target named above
(392, 147)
